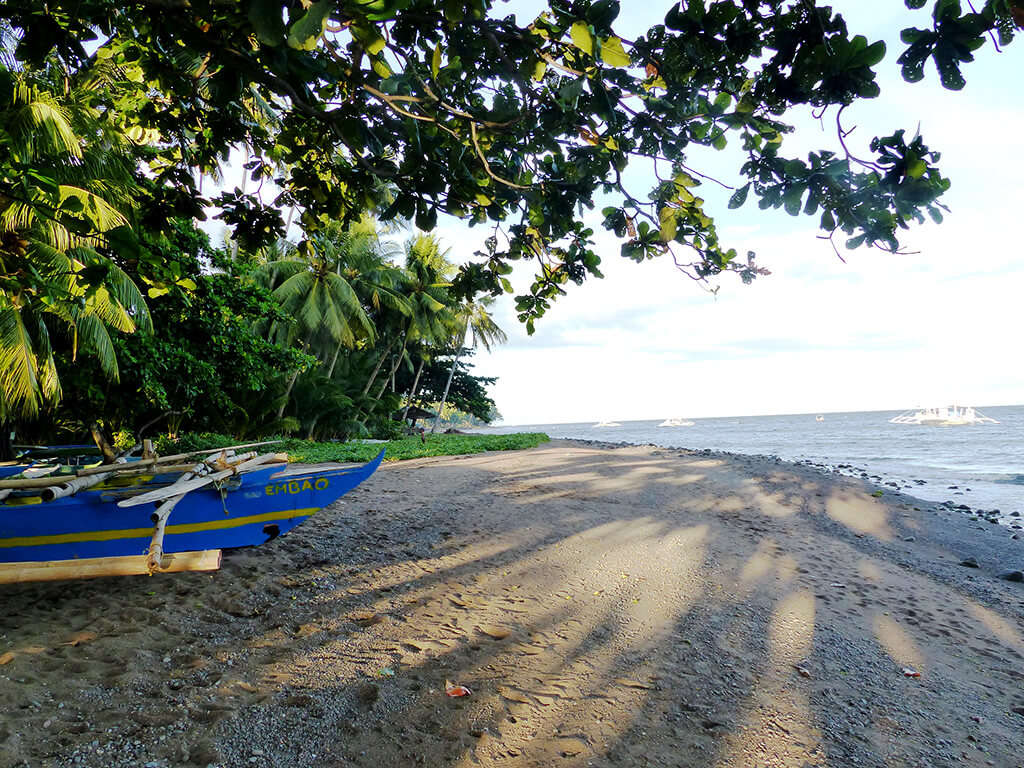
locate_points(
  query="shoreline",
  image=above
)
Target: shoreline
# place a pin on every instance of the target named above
(888, 484)
(606, 605)
(964, 465)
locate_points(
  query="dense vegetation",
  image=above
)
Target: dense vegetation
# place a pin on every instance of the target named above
(307, 452)
(353, 116)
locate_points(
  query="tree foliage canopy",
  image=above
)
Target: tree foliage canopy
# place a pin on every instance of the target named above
(517, 123)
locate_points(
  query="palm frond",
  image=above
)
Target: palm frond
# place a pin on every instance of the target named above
(94, 337)
(19, 372)
(41, 125)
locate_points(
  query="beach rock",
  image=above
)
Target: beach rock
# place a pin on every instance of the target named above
(1012, 576)
(969, 562)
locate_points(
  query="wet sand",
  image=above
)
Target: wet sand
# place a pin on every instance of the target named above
(625, 606)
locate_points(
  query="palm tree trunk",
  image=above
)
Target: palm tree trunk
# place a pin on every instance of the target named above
(412, 391)
(448, 384)
(291, 383)
(398, 362)
(383, 356)
(334, 360)
(312, 426)
(287, 393)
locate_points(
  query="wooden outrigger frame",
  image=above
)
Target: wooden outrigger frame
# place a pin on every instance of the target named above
(221, 465)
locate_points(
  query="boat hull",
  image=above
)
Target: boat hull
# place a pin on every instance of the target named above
(265, 504)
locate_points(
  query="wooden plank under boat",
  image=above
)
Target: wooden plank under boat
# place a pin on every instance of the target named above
(246, 510)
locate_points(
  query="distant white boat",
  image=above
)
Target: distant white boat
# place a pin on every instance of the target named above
(607, 424)
(819, 418)
(946, 416)
(676, 423)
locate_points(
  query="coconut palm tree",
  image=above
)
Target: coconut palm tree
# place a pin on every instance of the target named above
(74, 183)
(330, 285)
(428, 275)
(475, 323)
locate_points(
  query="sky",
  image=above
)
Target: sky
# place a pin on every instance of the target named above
(881, 331)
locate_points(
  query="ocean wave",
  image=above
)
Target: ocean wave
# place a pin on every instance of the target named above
(1010, 480)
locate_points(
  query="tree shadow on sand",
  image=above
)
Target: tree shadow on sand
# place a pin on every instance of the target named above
(629, 607)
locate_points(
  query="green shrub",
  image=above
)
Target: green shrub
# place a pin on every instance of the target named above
(307, 452)
(189, 442)
(388, 430)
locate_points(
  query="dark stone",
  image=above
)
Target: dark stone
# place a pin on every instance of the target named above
(969, 562)
(1015, 513)
(1012, 575)
(367, 694)
(964, 507)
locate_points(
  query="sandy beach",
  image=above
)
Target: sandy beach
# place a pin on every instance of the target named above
(625, 606)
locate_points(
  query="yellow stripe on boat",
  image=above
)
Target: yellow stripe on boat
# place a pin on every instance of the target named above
(136, 533)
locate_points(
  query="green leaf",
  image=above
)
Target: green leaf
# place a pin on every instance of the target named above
(539, 69)
(739, 197)
(371, 40)
(915, 166)
(669, 224)
(613, 54)
(306, 32)
(265, 17)
(871, 55)
(435, 61)
(581, 37)
(791, 200)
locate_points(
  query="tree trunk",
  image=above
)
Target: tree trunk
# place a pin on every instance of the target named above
(398, 362)
(412, 391)
(448, 384)
(334, 360)
(288, 393)
(383, 356)
(312, 426)
(101, 443)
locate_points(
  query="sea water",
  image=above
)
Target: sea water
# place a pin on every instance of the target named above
(978, 465)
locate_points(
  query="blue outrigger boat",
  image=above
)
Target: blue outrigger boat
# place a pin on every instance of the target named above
(161, 522)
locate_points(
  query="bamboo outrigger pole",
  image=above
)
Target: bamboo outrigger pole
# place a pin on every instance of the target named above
(174, 493)
(140, 467)
(96, 567)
